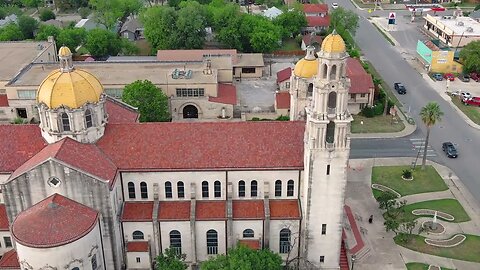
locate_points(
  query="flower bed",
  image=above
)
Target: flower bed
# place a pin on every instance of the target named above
(430, 212)
(452, 242)
(386, 189)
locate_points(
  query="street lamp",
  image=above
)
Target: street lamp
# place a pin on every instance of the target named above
(353, 261)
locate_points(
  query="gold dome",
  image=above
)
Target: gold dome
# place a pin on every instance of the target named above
(72, 89)
(306, 68)
(64, 51)
(333, 43)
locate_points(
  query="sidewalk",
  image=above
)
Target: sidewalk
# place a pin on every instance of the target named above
(384, 253)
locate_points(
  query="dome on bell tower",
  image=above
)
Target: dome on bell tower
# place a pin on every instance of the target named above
(333, 43)
(68, 86)
(307, 67)
(71, 103)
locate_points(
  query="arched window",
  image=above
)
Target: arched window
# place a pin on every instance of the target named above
(204, 189)
(330, 136)
(131, 190)
(217, 189)
(88, 118)
(212, 242)
(241, 188)
(325, 69)
(290, 188)
(253, 188)
(333, 72)
(75, 268)
(65, 122)
(137, 235)
(278, 188)
(176, 241)
(310, 90)
(168, 189)
(248, 233)
(332, 100)
(180, 189)
(285, 236)
(143, 190)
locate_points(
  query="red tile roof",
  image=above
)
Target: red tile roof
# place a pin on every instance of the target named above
(53, 222)
(4, 224)
(315, 8)
(137, 211)
(210, 210)
(248, 209)
(313, 21)
(227, 94)
(174, 211)
(86, 157)
(18, 144)
(307, 39)
(361, 81)
(284, 74)
(137, 246)
(10, 260)
(3, 101)
(253, 244)
(119, 112)
(282, 100)
(202, 146)
(284, 209)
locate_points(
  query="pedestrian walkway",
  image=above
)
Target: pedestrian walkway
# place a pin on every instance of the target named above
(419, 144)
(383, 252)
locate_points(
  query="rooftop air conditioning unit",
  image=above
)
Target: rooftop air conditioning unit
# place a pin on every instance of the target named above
(460, 23)
(469, 29)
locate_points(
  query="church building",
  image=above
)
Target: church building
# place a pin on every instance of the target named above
(91, 188)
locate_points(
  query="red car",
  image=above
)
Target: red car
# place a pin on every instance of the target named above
(449, 76)
(475, 76)
(474, 101)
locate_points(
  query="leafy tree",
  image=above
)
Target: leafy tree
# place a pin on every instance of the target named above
(230, 36)
(28, 25)
(72, 37)
(46, 14)
(190, 26)
(151, 102)
(45, 30)
(3, 13)
(101, 42)
(430, 114)
(221, 14)
(343, 19)
(291, 22)
(32, 3)
(70, 4)
(11, 32)
(243, 257)
(265, 37)
(159, 27)
(128, 47)
(108, 12)
(391, 224)
(173, 3)
(477, 7)
(470, 56)
(171, 260)
(84, 12)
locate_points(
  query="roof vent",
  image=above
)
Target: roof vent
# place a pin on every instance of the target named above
(460, 23)
(52, 205)
(469, 29)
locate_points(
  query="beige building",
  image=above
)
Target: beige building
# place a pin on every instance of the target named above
(197, 188)
(453, 31)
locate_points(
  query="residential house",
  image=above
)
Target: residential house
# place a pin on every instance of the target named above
(314, 40)
(7, 20)
(317, 16)
(283, 79)
(272, 13)
(361, 89)
(132, 29)
(89, 24)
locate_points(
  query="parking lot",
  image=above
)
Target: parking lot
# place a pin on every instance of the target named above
(472, 87)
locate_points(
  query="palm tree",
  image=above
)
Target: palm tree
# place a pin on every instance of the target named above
(430, 115)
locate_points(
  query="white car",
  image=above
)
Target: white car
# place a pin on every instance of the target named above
(466, 95)
(334, 5)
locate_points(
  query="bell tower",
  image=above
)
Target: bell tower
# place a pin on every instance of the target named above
(327, 149)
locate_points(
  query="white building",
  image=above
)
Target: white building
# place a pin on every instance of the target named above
(198, 188)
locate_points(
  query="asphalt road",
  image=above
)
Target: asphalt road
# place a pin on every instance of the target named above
(393, 68)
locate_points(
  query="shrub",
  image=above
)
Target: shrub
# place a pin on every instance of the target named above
(283, 118)
(255, 119)
(84, 12)
(407, 174)
(378, 108)
(368, 112)
(46, 14)
(18, 121)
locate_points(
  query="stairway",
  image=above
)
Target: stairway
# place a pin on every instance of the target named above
(343, 258)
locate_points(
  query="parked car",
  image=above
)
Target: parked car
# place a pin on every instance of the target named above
(475, 76)
(400, 88)
(465, 95)
(472, 101)
(438, 76)
(464, 77)
(449, 76)
(449, 149)
(334, 5)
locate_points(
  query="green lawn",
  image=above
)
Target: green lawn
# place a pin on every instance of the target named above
(427, 180)
(290, 45)
(377, 124)
(469, 250)
(420, 266)
(472, 112)
(449, 206)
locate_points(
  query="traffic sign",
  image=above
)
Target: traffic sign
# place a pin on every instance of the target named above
(392, 16)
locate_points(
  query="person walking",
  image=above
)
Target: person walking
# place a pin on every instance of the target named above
(370, 219)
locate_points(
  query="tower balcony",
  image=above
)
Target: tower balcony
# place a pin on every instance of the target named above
(330, 146)
(331, 113)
